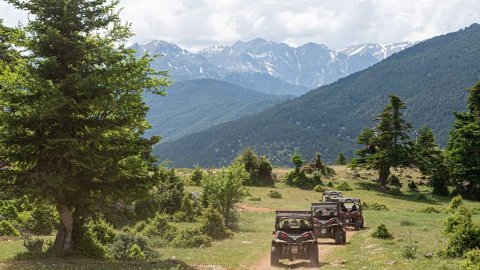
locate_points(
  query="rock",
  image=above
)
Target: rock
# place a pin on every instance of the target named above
(429, 255)
(392, 262)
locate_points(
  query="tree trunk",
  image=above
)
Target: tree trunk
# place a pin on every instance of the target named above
(383, 174)
(63, 240)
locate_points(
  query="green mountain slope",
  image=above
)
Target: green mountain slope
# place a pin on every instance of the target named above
(196, 105)
(430, 77)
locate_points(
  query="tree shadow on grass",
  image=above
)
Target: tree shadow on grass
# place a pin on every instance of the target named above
(89, 264)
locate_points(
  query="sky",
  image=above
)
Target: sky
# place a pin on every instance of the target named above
(197, 24)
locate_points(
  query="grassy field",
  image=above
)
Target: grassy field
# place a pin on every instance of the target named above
(251, 241)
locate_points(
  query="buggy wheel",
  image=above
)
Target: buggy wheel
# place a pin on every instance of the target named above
(338, 236)
(361, 224)
(314, 262)
(274, 257)
(344, 238)
(358, 224)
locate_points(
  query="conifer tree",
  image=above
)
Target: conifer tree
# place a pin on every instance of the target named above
(340, 160)
(463, 149)
(388, 144)
(73, 117)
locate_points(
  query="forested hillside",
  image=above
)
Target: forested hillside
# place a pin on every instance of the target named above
(431, 77)
(196, 105)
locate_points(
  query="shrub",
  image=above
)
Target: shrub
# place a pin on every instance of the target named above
(90, 247)
(330, 184)
(123, 243)
(7, 229)
(159, 230)
(44, 220)
(317, 178)
(454, 204)
(319, 188)
(374, 206)
(382, 232)
(191, 238)
(136, 253)
(102, 231)
(8, 211)
(429, 209)
(394, 191)
(409, 251)
(274, 194)
(460, 217)
(472, 260)
(187, 212)
(405, 222)
(140, 226)
(197, 176)
(462, 239)
(255, 199)
(412, 186)
(344, 186)
(213, 224)
(393, 180)
(299, 179)
(258, 168)
(420, 197)
(33, 245)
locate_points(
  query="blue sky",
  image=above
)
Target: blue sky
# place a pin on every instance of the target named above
(196, 24)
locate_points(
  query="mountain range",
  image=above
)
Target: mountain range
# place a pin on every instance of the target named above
(431, 77)
(267, 66)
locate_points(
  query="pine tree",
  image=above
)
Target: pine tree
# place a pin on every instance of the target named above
(430, 160)
(463, 149)
(340, 160)
(387, 145)
(73, 117)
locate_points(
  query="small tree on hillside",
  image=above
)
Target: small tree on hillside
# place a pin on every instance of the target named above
(259, 168)
(387, 145)
(224, 189)
(463, 149)
(340, 160)
(73, 118)
(431, 161)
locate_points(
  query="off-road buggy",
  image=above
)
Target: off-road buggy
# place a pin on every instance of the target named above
(294, 238)
(326, 221)
(331, 196)
(351, 213)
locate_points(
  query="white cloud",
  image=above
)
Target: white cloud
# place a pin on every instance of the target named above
(196, 24)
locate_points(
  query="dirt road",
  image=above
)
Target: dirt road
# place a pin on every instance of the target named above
(325, 247)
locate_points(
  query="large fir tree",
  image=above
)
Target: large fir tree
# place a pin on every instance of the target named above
(388, 144)
(73, 118)
(463, 149)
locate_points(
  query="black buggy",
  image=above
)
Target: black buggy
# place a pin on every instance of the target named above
(327, 221)
(294, 238)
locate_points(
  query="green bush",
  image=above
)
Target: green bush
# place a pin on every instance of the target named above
(463, 216)
(412, 185)
(255, 199)
(409, 252)
(374, 206)
(90, 247)
(197, 176)
(33, 245)
(191, 238)
(393, 180)
(122, 246)
(405, 222)
(274, 194)
(463, 234)
(429, 209)
(213, 224)
(44, 219)
(159, 230)
(454, 204)
(136, 253)
(9, 212)
(258, 168)
(330, 184)
(7, 229)
(299, 179)
(382, 232)
(319, 188)
(344, 186)
(420, 197)
(472, 260)
(102, 231)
